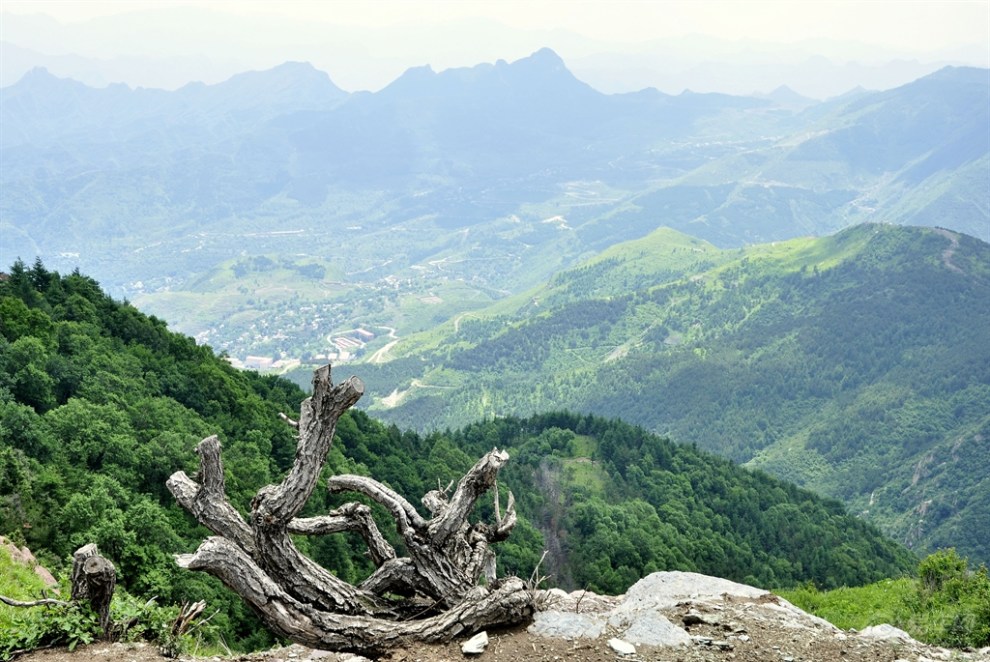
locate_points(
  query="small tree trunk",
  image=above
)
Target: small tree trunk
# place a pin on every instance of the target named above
(94, 578)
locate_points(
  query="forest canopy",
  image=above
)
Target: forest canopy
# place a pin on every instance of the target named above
(100, 403)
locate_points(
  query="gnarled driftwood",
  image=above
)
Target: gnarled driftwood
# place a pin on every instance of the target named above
(299, 599)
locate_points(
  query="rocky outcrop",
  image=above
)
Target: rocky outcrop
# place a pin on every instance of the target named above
(24, 556)
(707, 618)
(662, 609)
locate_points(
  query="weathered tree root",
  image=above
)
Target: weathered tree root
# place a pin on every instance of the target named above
(304, 602)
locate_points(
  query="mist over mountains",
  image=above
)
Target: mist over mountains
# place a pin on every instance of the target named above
(132, 47)
(116, 179)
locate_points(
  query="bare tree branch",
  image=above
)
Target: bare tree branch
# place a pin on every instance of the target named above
(300, 599)
(35, 603)
(349, 517)
(208, 502)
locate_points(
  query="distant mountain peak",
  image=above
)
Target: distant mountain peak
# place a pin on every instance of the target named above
(412, 79)
(298, 73)
(785, 95)
(546, 55)
(37, 74)
(544, 60)
(959, 74)
(546, 70)
(289, 85)
(39, 79)
(295, 65)
(543, 70)
(37, 71)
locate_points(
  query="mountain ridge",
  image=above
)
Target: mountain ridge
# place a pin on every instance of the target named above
(812, 359)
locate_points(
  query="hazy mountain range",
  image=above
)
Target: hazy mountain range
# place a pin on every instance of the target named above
(501, 173)
(141, 48)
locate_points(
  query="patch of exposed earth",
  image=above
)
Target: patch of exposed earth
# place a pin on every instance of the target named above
(666, 617)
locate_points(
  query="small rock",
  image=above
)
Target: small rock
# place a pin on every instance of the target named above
(350, 657)
(885, 632)
(723, 645)
(693, 617)
(621, 647)
(476, 644)
(565, 625)
(743, 637)
(651, 629)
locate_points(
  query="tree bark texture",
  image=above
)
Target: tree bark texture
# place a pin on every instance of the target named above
(301, 600)
(94, 578)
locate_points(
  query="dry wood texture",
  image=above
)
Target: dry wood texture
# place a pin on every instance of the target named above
(299, 599)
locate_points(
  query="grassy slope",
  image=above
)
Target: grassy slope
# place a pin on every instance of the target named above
(750, 352)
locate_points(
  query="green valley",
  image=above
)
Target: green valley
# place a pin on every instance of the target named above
(855, 364)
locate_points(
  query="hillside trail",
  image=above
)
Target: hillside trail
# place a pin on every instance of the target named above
(951, 250)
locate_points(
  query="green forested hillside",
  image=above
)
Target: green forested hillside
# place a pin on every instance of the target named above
(856, 364)
(99, 404)
(616, 502)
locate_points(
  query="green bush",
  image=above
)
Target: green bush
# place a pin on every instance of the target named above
(49, 626)
(955, 599)
(947, 605)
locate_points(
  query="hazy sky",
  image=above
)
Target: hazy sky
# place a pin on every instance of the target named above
(366, 44)
(911, 26)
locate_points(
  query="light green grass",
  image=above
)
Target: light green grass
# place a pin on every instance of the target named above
(582, 472)
(584, 446)
(860, 607)
(19, 582)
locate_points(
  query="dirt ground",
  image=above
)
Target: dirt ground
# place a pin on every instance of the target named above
(747, 642)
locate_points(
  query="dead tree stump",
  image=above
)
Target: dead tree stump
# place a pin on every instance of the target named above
(94, 578)
(301, 600)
